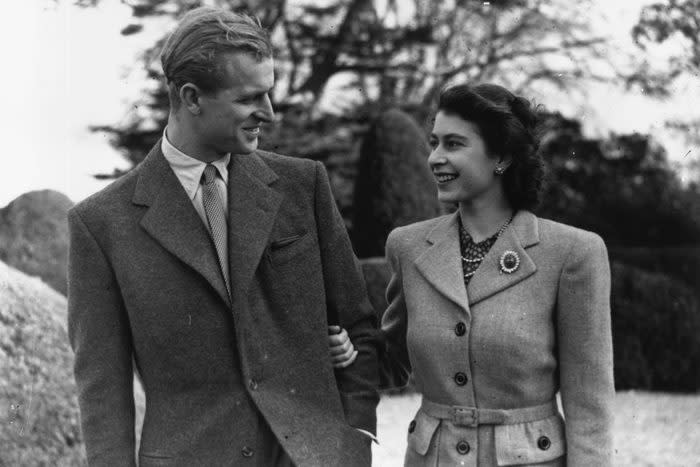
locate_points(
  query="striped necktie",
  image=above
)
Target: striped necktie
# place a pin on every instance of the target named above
(216, 217)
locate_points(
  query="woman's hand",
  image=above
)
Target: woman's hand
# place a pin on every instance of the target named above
(343, 353)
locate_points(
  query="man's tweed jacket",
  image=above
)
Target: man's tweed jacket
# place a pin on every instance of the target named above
(224, 380)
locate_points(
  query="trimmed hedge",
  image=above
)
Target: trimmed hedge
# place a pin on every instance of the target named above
(682, 263)
(394, 185)
(34, 236)
(38, 395)
(655, 326)
(377, 275)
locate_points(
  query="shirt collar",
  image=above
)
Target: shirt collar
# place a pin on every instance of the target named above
(188, 169)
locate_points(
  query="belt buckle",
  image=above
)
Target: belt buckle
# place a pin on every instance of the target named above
(466, 416)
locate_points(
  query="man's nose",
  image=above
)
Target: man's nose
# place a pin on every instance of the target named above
(264, 111)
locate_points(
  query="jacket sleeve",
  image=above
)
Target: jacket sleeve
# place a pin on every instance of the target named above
(99, 334)
(395, 367)
(348, 306)
(585, 353)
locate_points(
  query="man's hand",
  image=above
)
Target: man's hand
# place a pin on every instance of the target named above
(343, 353)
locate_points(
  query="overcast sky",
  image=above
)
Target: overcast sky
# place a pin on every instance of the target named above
(65, 68)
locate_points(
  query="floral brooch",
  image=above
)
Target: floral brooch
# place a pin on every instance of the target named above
(509, 262)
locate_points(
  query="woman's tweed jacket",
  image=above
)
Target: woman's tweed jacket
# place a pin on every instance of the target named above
(541, 329)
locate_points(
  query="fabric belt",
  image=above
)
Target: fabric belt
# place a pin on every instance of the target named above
(473, 417)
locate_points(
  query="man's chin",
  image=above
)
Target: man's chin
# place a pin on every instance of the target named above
(246, 148)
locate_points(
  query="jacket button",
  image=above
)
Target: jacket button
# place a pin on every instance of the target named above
(253, 385)
(247, 452)
(411, 426)
(460, 329)
(460, 378)
(544, 443)
(463, 447)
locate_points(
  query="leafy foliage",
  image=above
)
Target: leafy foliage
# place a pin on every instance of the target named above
(377, 274)
(680, 263)
(389, 55)
(656, 321)
(668, 20)
(675, 25)
(621, 187)
(393, 186)
(41, 425)
(34, 236)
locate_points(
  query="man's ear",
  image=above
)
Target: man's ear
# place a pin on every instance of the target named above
(191, 97)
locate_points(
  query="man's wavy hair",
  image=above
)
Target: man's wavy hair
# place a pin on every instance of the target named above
(508, 125)
(192, 53)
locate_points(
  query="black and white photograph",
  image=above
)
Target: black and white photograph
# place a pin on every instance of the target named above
(350, 233)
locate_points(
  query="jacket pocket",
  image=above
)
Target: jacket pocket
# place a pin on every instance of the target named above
(284, 249)
(531, 442)
(421, 431)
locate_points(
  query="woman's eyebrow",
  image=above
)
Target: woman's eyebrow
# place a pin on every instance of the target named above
(449, 135)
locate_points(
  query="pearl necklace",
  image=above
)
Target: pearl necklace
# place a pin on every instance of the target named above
(481, 258)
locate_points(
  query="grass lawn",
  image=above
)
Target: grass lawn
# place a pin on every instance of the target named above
(651, 429)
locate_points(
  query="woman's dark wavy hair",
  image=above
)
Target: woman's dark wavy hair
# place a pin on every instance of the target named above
(508, 125)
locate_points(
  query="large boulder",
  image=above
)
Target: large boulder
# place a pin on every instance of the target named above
(37, 395)
(34, 236)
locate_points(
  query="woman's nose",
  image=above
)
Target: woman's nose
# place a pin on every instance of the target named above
(436, 157)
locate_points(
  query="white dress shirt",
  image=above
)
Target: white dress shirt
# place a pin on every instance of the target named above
(189, 171)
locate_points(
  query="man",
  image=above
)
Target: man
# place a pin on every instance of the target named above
(213, 270)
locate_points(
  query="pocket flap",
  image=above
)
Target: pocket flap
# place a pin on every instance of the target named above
(282, 242)
(531, 442)
(286, 248)
(422, 433)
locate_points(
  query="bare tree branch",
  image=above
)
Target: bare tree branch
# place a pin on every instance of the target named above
(323, 67)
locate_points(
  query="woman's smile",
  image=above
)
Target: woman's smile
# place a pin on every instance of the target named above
(444, 177)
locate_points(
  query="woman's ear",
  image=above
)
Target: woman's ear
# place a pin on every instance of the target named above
(503, 164)
(191, 96)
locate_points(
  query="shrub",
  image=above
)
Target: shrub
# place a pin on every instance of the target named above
(38, 395)
(681, 263)
(656, 324)
(34, 236)
(376, 273)
(394, 185)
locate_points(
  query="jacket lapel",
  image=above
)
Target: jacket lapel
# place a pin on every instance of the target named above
(253, 206)
(440, 264)
(173, 221)
(489, 279)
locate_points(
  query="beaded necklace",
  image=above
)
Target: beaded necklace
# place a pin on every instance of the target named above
(473, 253)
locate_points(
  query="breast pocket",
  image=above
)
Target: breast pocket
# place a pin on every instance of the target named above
(531, 442)
(288, 247)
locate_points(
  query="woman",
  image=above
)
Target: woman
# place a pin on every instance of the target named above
(493, 309)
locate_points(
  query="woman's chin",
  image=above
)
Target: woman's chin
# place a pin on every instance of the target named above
(447, 197)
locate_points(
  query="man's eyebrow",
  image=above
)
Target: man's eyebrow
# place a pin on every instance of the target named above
(255, 92)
